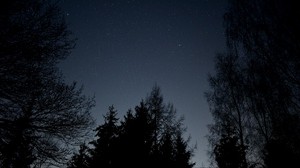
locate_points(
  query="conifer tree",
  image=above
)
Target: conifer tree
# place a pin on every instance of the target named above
(104, 149)
(150, 136)
(80, 160)
(183, 153)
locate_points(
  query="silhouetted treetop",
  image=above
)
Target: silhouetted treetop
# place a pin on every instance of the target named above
(149, 136)
(105, 145)
(40, 116)
(256, 85)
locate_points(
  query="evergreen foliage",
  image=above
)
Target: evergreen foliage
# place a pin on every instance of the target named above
(151, 136)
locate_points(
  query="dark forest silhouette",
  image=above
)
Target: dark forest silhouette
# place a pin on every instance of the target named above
(151, 136)
(40, 115)
(254, 96)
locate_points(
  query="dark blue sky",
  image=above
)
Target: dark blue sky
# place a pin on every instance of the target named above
(124, 47)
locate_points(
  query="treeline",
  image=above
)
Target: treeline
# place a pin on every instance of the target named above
(149, 136)
(254, 95)
(42, 118)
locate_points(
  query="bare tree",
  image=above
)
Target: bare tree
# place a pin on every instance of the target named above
(263, 38)
(40, 115)
(227, 104)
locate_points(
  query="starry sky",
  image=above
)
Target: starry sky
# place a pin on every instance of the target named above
(124, 47)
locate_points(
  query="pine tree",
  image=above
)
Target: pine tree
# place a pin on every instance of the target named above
(80, 160)
(183, 153)
(167, 150)
(150, 136)
(136, 137)
(104, 150)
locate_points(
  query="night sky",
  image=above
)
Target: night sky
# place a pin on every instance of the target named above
(124, 47)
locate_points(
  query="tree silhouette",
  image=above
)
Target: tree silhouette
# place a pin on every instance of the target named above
(227, 102)
(260, 94)
(80, 160)
(141, 139)
(40, 115)
(167, 150)
(157, 113)
(228, 152)
(269, 38)
(166, 128)
(136, 137)
(105, 146)
(182, 154)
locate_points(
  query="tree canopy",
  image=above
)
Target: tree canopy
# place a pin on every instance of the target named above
(40, 115)
(150, 136)
(256, 85)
